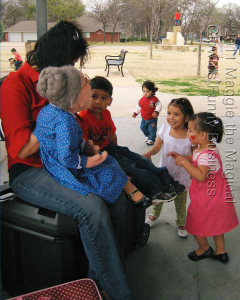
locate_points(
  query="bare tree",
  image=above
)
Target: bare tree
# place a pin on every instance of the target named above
(155, 11)
(204, 13)
(100, 10)
(10, 12)
(115, 13)
(134, 23)
(189, 10)
(29, 8)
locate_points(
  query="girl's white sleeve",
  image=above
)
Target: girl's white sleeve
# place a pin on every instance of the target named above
(158, 106)
(161, 131)
(137, 109)
(210, 161)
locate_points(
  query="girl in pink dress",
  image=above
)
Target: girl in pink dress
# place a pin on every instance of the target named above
(211, 211)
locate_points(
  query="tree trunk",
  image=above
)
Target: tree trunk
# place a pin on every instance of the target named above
(151, 36)
(114, 27)
(104, 33)
(199, 55)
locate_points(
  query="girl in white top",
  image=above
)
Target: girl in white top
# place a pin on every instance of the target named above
(172, 137)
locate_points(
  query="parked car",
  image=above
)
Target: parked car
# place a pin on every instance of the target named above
(160, 39)
(204, 40)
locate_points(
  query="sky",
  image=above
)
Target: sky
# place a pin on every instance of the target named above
(220, 3)
(223, 2)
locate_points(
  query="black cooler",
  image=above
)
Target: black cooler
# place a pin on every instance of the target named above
(39, 248)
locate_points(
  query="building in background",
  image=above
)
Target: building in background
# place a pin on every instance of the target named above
(93, 31)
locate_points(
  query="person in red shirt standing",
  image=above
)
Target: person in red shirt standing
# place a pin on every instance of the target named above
(18, 61)
(177, 18)
(150, 107)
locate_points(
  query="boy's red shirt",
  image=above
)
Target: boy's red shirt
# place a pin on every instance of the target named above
(99, 131)
(18, 56)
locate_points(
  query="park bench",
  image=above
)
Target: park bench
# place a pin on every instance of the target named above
(115, 60)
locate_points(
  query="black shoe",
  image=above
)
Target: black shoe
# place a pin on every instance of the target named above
(207, 254)
(144, 202)
(223, 258)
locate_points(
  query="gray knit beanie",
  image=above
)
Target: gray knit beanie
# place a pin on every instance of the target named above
(60, 85)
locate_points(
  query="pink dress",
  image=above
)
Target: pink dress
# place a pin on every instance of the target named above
(210, 212)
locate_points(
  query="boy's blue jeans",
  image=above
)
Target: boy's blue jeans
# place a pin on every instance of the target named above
(18, 64)
(36, 186)
(145, 175)
(149, 128)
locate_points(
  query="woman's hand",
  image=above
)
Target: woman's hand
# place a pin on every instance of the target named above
(90, 149)
(31, 147)
(96, 160)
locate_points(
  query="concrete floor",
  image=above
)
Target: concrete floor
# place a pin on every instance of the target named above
(161, 270)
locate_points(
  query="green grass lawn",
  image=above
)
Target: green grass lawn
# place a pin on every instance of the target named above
(191, 86)
(135, 43)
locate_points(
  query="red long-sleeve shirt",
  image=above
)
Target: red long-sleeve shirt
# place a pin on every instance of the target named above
(20, 105)
(147, 106)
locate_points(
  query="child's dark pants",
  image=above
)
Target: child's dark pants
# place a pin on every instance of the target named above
(145, 175)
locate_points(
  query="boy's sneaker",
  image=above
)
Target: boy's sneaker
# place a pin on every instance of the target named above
(149, 142)
(175, 187)
(170, 193)
(146, 139)
(163, 197)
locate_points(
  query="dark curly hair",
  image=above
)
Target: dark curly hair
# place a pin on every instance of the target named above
(59, 46)
(208, 122)
(150, 86)
(185, 106)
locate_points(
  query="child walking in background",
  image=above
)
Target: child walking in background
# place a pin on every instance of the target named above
(172, 136)
(213, 65)
(150, 107)
(62, 145)
(99, 127)
(211, 212)
(221, 45)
